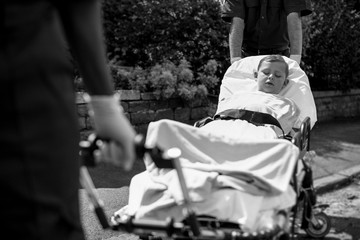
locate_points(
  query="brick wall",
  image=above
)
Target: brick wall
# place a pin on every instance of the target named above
(142, 108)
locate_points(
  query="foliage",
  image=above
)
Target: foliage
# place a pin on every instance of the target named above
(332, 46)
(146, 32)
(153, 37)
(168, 80)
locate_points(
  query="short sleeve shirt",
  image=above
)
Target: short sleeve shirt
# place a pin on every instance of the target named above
(265, 20)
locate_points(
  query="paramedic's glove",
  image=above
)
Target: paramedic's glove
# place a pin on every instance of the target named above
(234, 59)
(111, 124)
(297, 58)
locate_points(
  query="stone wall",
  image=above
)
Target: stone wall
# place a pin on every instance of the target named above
(142, 108)
(336, 104)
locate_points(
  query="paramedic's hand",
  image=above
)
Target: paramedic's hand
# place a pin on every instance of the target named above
(297, 58)
(111, 124)
(234, 59)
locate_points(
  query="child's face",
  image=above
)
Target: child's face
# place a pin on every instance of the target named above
(271, 77)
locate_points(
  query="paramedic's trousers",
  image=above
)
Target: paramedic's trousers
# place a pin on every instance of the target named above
(39, 137)
(39, 164)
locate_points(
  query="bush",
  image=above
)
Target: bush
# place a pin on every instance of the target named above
(146, 32)
(332, 46)
(168, 80)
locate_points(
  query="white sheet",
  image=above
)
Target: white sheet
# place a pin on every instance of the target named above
(240, 77)
(252, 175)
(150, 201)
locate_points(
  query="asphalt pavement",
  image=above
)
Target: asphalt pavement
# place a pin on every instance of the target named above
(337, 147)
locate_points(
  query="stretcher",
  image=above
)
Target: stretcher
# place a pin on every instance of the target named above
(252, 203)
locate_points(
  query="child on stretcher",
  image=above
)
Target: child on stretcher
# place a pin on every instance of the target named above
(223, 156)
(269, 114)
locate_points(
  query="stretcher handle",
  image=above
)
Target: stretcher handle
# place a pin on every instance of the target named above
(96, 203)
(87, 159)
(93, 143)
(141, 226)
(162, 159)
(87, 149)
(168, 227)
(173, 155)
(302, 138)
(180, 230)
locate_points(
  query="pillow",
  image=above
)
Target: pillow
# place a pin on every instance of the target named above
(240, 77)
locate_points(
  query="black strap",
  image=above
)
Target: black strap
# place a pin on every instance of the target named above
(256, 118)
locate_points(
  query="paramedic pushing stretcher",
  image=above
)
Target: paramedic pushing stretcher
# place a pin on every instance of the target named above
(263, 27)
(39, 140)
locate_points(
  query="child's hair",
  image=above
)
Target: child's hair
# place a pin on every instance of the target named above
(275, 58)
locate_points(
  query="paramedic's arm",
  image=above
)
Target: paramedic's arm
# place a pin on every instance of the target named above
(82, 25)
(83, 28)
(236, 38)
(295, 35)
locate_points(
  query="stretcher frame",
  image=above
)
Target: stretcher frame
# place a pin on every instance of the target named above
(315, 223)
(313, 220)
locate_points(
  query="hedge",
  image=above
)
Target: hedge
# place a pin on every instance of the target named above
(331, 56)
(143, 34)
(146, 32)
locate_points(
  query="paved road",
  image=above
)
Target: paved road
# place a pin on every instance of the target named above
(344, 212)
(337, 144)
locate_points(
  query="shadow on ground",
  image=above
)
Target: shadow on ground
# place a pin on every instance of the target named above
(107, 176)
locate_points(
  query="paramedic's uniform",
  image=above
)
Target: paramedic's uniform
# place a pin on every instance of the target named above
(265, 23)
(39, 168)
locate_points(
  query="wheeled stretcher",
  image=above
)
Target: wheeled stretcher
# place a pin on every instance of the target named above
(204, 186)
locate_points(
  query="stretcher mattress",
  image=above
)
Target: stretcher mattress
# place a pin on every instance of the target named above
(240, 77)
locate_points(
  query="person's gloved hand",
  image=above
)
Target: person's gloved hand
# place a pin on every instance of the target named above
(297, 58)
(111, 124)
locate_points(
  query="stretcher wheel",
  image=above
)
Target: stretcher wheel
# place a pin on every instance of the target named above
(322, 229)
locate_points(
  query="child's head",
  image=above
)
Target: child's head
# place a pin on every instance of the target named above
(272, 74)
